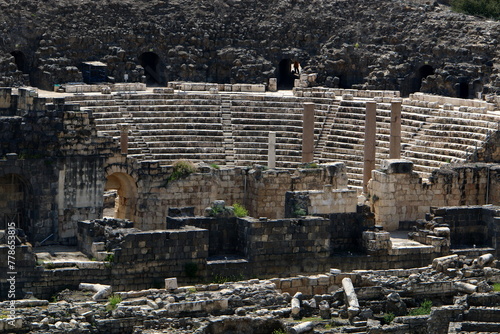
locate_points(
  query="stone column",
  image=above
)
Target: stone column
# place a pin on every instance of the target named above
(124, 137)
(395, 139)
(271, 151)
(308, 132)
(370, 138)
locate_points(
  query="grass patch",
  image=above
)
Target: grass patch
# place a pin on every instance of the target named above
(215, 166)
(110, 258)
(239, 210)
(278, 331)
(496, 287)
(113, 300)
(424, 309)
(220, 279)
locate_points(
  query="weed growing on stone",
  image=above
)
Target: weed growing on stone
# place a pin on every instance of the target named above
(181, 169)
(113, 300)
(279, 331)
(220, 279)
(496, 287)
(389, 317)
(239, 210)
(215, 166)
(425, 308)
(109, 258)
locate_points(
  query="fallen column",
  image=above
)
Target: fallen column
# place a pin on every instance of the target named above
(352, 299)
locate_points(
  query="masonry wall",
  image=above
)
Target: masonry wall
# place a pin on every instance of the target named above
(396, 193)
(472, 226)
(261, 191)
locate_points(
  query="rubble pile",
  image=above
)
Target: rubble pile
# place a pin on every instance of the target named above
(453, 293)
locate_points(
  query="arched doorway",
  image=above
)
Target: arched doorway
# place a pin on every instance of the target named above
(285, 75)
(422, 73)
(20, 60)
(16, 204)
(150, 61)
(125, 200)
(463, 90)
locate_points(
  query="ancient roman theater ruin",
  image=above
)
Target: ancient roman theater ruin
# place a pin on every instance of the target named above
(233, 166)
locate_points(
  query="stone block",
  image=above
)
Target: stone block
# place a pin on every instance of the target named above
(171, 283)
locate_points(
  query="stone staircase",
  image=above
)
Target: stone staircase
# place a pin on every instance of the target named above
(483, 315)
(233, 129)
(227, 128)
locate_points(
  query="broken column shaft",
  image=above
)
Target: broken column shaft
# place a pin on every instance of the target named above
(370, 137)
(395, 138)
(308, 132)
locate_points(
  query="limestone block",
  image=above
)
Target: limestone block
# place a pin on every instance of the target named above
(171, 283)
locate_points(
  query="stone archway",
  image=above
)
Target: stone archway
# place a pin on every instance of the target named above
(150, 61)
(463, 90)
(126, 194)
(20, 60)
(285, 76)
(16, 204)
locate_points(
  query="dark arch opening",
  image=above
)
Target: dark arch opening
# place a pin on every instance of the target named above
(424, 72)
(463, 90)
(150, 61)
(20, 60)
(285, 75)
(16, 203)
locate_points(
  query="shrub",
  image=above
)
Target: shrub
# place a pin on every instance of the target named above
(239, 210)
(486, 8)
(389, 317)
(425, 308)
(181, 169)
(110, 258)
(191, 269)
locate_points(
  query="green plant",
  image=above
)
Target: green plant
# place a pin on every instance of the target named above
(50, 265)
(191, 269)
(239, 210)
(425, 308)
(299, 212)
(54, 299)
(278, 331)
(110, 257)
(220, 279)
(389, 317)
(215, 210)
(215, 166)
(310, 165)
(496, 287)
(486, 8)
(113, 300)
(181, 169)
(191, 290)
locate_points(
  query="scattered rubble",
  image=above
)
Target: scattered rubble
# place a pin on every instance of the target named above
(420, 300)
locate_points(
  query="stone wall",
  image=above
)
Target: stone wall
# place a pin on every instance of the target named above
(471, 226)
(396, 193)
(261, 191)
(53, 150)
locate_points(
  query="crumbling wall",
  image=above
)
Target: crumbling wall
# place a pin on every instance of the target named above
(261, 192)
(396, 193)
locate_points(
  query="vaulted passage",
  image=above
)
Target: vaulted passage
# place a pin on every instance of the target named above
(20, 60)
(16, 204)
(126, 195)
(285, 75)
(150, 61)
